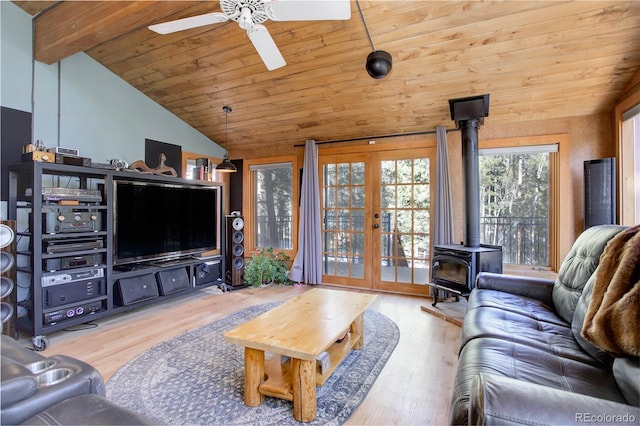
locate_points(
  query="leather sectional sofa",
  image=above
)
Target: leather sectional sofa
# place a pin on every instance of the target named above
(56, 390)
(523, 360)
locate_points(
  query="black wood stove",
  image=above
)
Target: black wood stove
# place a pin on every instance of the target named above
(454, 267)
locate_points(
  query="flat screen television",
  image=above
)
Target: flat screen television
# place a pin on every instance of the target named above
(158, 221)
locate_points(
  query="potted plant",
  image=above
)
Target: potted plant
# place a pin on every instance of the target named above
(266, 268)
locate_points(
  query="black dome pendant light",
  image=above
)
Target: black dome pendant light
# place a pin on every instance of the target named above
(226, 166)
(378, 61)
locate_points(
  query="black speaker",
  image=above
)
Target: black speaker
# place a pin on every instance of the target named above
(208, 272)
(136, 289)
(235, 250)
(8, 280)
(172, 281)
(599, 192)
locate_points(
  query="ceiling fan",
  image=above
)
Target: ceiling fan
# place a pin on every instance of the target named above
(251, 14)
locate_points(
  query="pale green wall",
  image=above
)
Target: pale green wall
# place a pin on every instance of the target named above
(78, 103)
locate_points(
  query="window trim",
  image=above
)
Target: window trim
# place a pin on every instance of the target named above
(248, 198)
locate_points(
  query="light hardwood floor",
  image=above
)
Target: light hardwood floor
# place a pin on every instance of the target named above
(414, 387)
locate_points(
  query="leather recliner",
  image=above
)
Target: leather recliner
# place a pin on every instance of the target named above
(54, 390)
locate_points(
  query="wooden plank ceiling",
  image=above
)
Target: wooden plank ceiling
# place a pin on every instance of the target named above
(538, 60)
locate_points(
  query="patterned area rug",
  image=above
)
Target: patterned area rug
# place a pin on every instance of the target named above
(198, 378)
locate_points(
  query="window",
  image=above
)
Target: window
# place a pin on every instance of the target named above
(630, 167)
(515, 188)
(271, 221)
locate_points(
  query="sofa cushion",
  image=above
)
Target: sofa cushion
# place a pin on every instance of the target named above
(578, 320)
(522, 362)
(532, 308)
(626, 371)
(497, 400)
(18, 382)
(581, 261)
(514, 327)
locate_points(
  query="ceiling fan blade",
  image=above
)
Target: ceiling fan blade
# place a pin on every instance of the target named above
(187, 23)
(308, 10)
(266, 47)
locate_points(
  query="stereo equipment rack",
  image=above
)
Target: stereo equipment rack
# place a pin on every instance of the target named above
(69, 268)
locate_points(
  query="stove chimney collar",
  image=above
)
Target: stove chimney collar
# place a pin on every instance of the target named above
(469, 108)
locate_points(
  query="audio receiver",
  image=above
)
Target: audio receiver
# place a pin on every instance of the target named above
(71, 221)
(72, 312)
(55, 247)
(69, 277)
(71, 262)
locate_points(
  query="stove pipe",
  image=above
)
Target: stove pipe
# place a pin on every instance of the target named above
(469, 113)
(471, 171)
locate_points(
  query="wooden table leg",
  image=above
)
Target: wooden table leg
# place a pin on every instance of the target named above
(253, 376)
(303, 376)
(357, 327)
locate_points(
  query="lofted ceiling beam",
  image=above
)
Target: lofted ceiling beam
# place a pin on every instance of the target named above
(75, 26)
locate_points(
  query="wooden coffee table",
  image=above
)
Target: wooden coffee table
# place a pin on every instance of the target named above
(299, 331)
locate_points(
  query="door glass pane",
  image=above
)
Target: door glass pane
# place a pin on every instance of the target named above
(357, 176)
(357, 196)
(357, 220)
(404, 227)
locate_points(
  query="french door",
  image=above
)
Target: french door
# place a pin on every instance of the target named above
(376, 219)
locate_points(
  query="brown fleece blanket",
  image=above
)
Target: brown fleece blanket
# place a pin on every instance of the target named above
(612, 321)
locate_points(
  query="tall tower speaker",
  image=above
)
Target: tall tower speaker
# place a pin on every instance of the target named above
(599, 192)
(235, 250)
(8, 278)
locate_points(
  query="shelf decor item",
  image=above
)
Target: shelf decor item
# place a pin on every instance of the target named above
(162, 168)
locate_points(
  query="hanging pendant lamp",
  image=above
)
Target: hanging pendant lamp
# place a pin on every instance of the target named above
(379, 62)
(226, 166)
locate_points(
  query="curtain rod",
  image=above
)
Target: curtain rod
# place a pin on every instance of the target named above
(395, 135)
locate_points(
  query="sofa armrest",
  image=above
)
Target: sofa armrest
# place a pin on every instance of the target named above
(80, 378)
(535, 288)
(86, 410)
(503, 400)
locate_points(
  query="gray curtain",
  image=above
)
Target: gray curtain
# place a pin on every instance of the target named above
(443, 216)
(307, 265)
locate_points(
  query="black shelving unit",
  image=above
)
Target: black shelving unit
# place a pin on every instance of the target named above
(66, 273)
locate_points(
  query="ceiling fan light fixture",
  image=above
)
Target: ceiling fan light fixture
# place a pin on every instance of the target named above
(251, 14)
(226, 166)
(379, 64)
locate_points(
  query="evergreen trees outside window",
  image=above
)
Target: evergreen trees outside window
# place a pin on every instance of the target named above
(515, 211)
(272, 205)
